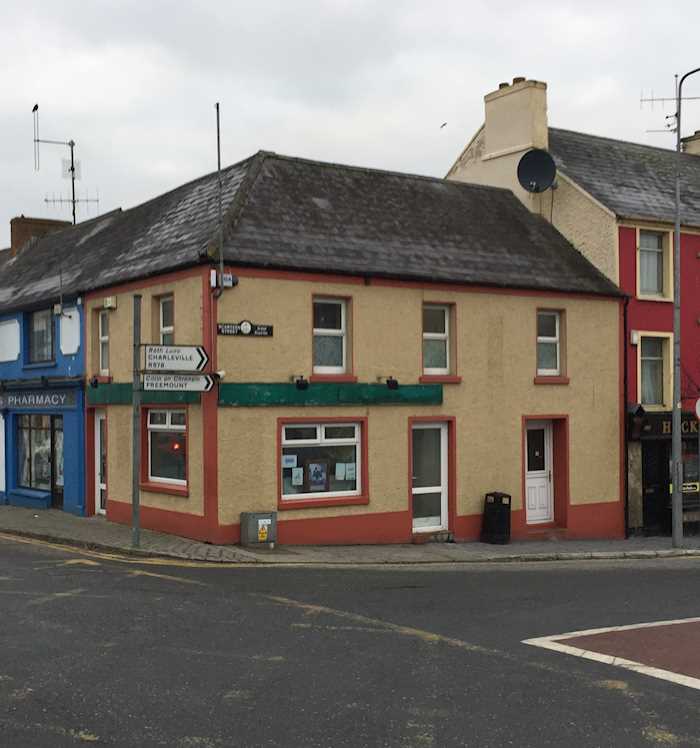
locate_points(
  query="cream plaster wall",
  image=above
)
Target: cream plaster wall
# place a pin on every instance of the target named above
(495, 335)
(187, 293)
(119, 446)
(515, 121)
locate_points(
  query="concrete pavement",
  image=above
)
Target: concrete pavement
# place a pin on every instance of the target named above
(98, 533)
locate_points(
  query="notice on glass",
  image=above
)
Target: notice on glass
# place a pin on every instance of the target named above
(340, 471)
(349, 471)
(289, 461)
(297, 475)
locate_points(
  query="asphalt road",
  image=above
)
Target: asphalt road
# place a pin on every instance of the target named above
(102, 652)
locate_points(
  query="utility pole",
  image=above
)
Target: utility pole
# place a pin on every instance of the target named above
(676, 443)
(136, 428)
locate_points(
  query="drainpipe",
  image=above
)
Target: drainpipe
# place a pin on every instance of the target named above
(625, 383)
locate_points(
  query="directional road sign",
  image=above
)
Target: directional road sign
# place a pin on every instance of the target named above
(176, 357)
(178, 382)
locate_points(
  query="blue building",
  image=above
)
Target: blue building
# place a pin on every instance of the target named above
(42, 374)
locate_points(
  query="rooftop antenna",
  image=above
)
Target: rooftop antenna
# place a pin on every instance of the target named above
(221, 210)
(670, 125)
(54, 201)
(69, 168)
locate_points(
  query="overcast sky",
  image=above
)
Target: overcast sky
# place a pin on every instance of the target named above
(365, 82)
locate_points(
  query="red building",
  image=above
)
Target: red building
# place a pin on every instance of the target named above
(615, 201)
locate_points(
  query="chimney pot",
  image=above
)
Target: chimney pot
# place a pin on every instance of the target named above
(519, 79)
(503, 85)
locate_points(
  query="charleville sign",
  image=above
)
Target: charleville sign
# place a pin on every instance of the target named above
(176, 357)
(38, 399)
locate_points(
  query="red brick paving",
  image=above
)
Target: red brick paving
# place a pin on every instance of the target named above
(674, 647)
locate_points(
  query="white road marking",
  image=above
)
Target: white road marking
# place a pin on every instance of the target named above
(554, 643)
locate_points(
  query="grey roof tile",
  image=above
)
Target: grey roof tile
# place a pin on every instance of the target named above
(632, 180)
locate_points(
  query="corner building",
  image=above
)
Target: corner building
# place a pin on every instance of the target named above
(393, 348)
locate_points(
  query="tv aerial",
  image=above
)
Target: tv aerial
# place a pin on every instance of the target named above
(536, 171)
(71, 167)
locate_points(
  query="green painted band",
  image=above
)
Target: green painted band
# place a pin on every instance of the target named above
(328, 393)
(120, 394)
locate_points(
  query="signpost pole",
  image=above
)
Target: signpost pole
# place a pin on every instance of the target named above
(136, 428)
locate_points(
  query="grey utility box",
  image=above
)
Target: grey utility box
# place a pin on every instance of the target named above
(258, 528)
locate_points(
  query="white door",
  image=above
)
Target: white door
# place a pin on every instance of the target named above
(538, 472)
(429, 481)
(100, 462)
(2, 453)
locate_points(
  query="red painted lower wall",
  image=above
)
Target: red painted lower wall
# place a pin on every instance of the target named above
(585, 521)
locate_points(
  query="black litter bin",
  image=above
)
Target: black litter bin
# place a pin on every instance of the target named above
(495, 526)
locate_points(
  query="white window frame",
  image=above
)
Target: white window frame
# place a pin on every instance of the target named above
(163, 329)
(437, 370)
(101, 340)
(321, 439)
(169, 427)
(666, 293)
(330, 332)
(548, 339)
(666, 369)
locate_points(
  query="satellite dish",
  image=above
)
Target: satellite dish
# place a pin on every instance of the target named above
(536, 171)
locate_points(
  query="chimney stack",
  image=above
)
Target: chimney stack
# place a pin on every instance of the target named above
(23, 229)
(691, 144)
(516, 117)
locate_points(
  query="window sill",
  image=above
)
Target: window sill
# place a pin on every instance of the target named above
(102, 378)
(654, 297)
(153, 487)
(40, 365)
(440, 379)
(348, 378)
(551, 380)
(658, 408)
(285, 504)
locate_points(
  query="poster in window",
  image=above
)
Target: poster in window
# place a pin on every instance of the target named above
(350, 471)
(289, 461)
(316, 475)
(297, 476)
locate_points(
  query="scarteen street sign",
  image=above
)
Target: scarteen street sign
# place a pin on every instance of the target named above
(176, 358)
(178, 382)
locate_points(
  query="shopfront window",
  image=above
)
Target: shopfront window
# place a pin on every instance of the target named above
(690, 464)
(41, 337)
(167, 446)
(321, 460)
(34, 452)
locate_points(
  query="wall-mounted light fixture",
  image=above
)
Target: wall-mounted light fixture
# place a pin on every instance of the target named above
(391, 382)
(634, 337)
(300, 381)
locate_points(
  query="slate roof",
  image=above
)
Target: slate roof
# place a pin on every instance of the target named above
(291, 213)
(171, 231)
(316, 216)
(632, 180)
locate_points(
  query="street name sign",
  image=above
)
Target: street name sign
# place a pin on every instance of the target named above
(176, 358)
(246, 328)
(178, 382)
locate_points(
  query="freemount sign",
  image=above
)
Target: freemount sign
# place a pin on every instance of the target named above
(38, 399)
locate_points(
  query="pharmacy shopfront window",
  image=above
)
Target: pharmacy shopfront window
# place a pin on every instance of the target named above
(321, 460)
(40, 454)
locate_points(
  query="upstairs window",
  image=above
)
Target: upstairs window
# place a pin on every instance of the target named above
(436, 339)
(548, 344)
(652, 370)
(652, 280)
(330, 336)
(41, 342)
(103, 342)
(167, 320)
